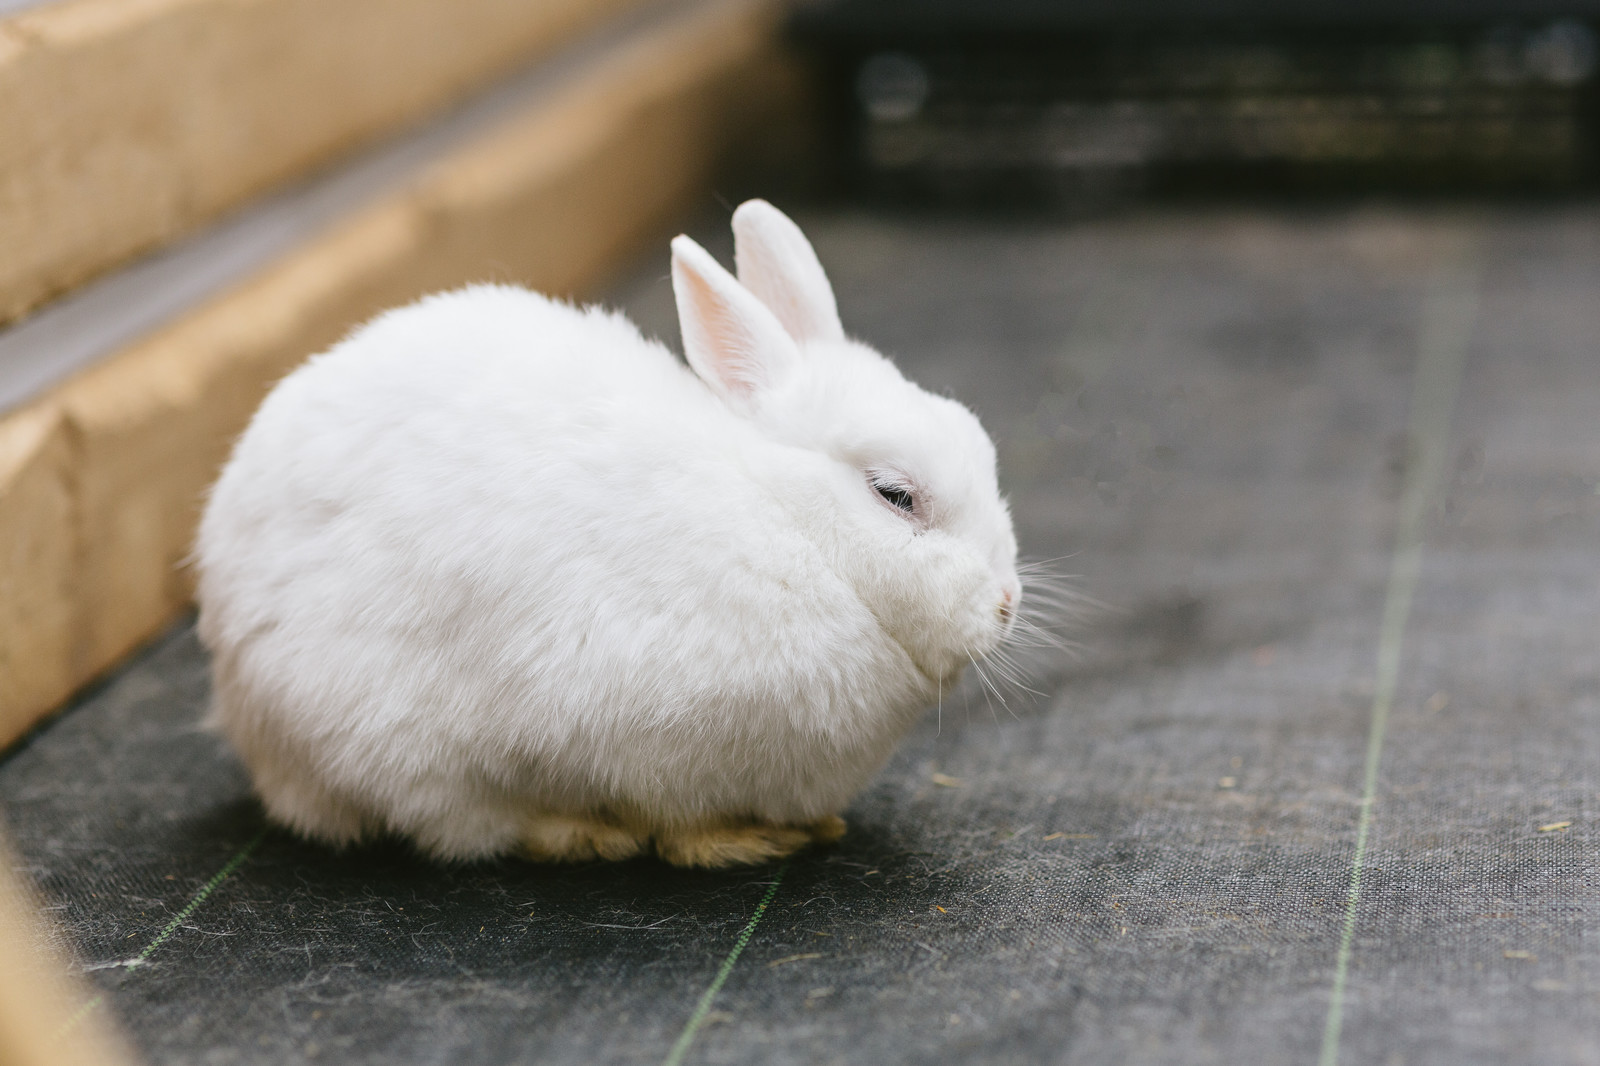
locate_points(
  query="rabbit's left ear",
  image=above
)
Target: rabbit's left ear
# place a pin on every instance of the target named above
(733, 342)
(778, 264)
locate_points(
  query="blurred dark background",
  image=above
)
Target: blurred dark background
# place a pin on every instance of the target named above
(1072, 104)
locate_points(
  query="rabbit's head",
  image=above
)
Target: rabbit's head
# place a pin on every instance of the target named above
(895, 486)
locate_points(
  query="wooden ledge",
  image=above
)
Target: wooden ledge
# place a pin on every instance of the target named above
(46, 1017)
(126, 123)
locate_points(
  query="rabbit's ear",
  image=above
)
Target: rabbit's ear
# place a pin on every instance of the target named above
(733, 342)
(777, 263)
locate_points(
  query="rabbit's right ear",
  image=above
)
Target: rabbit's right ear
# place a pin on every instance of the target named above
(778, 264)
(732, 340)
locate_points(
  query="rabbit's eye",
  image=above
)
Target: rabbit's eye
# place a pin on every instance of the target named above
(897, 497)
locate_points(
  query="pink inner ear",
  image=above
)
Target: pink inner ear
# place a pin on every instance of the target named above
(722, 346)
(732, 341)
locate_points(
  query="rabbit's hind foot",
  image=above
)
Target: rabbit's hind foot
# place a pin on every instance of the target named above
(743, 843)
(568, 838)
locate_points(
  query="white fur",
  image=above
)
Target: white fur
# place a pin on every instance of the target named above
(494, 555)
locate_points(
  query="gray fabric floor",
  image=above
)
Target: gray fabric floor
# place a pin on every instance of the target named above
(1205, 414)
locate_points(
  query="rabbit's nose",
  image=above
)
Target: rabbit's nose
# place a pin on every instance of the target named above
(1008, 599)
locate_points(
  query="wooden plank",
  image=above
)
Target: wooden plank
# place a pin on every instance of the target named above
(36, 566)
(125, 123)
(555, 198)
(46, 1018)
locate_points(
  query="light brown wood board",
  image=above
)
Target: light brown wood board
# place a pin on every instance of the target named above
(46, 1017)
(127, 123)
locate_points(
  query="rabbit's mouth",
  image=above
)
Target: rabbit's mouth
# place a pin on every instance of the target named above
(941, 667)
(937, 672)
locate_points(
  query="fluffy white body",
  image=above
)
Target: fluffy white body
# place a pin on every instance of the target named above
(498, 573)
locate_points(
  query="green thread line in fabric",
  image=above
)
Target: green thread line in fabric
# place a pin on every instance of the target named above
(703, 1008)
(199, 898)
(171, 927)
(1446, 327)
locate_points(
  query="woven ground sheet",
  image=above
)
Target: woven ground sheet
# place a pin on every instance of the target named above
(1336, 477)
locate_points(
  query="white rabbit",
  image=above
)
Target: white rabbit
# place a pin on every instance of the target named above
(497, 574)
